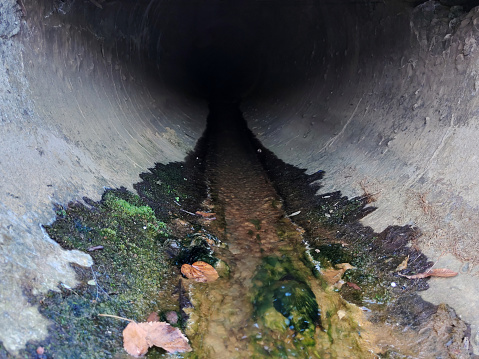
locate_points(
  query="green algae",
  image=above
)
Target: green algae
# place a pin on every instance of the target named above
(296, 302)
(283, 301)
(331, 254)
(129, 272)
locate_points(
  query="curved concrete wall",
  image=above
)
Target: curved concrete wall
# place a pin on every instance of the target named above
(381, 96)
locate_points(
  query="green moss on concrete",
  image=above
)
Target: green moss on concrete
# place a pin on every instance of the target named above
(128, 274)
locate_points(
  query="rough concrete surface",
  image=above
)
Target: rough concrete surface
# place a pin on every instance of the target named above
(381, 96)
(403, 128)
(66, 131)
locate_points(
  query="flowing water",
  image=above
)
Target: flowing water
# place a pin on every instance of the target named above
(270, 304)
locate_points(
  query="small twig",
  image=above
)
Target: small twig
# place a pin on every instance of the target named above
(443, 252)
(115, 316)
(70, 289)
(95, 248)
(193, 214)
(293, 214)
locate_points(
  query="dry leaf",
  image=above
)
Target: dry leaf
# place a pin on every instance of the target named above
(332, 276)
(205, 214)
(353, 285)
(165, 336)
(138, 337)
(344, 266)
(200, 272)
(403, 265)
(438, 272)
(134, 340)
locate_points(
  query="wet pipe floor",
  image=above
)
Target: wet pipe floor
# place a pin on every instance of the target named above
(323, 286)
(271, 304)
(278, 301)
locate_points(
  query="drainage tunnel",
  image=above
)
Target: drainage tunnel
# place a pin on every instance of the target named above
(381, 96)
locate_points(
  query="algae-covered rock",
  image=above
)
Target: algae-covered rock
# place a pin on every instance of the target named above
(282, 297)
(222, 268)
(296, 301)
(275, 320)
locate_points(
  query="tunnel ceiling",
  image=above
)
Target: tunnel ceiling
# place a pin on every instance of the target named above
(231, 47)
(239, 48)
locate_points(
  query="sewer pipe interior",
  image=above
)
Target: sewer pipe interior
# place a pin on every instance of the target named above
(382, 96)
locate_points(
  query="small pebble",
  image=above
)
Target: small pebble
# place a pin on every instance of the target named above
(40, 353)
(172, 317)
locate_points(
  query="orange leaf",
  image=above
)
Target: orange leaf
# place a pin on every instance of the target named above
(438, 272)
(200, 272)
(205, 214)
(402, 265)
(332, 276)
(165, 336)
(134, 340)
(138, 337)
(353, 285)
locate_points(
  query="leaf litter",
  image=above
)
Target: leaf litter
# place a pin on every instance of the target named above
(402, 265)
(200, 272)
(333, 275)
(438, 272)
(139, 337)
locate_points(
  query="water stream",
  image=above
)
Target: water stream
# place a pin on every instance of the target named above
(271, 304)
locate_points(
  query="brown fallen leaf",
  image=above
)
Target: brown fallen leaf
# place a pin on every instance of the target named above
(403, 265)
(163, 335)
(134, 340)
(438, 272)
(138, 337)
(205, 214)
(353, 285)
(200, 272)
(332, 276)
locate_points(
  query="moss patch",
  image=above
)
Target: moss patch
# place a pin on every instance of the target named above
(129, 272)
